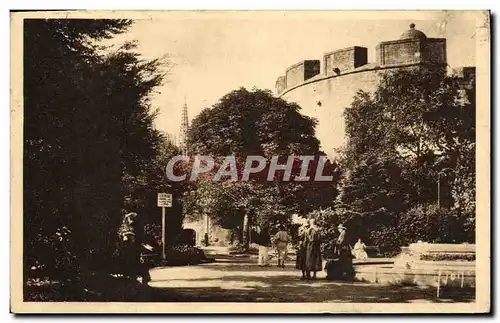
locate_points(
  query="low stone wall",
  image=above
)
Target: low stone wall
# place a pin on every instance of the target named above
(441, 248)
(409, 269)
(459, 275)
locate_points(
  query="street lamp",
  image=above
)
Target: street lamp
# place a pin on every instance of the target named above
(442, 172)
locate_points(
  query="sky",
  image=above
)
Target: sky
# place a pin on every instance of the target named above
(212, 54)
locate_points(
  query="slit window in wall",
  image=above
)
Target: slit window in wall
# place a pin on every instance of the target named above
(319, 103)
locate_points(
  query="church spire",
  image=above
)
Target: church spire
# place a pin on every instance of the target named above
(184, 129)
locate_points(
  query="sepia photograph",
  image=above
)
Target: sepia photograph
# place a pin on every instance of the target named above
(250, 162)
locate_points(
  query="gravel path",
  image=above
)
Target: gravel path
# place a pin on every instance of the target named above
(242, 280)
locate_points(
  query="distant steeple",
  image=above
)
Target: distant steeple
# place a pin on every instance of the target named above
(184, 129)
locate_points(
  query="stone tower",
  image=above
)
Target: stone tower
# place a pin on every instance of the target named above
(184, 129)
(324, 87)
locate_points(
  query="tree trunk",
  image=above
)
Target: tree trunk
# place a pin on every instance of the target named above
(246, 232)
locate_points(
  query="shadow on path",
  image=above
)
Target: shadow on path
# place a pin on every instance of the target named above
(287, 288)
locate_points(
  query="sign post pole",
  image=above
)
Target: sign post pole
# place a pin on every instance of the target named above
(163, 234)
(164, 201)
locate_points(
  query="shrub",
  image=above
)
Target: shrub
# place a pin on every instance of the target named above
(240, 249)
(327, 220)
(468, 218)
(185, 255)
(359, 225)
(449, 257)
(388, 238)
(152, 234)
(55, 258)
(178, 255)
(428, 223)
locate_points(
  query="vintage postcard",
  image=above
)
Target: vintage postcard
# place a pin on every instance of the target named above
(250, 162)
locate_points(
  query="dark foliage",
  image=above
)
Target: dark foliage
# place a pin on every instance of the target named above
(87, 125)
(180, 255)
(414, 134)
(448, 257)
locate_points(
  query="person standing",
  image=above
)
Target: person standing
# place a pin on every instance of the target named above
(281, 243)
(264, 244)
(313, 259)
(340, 243)
(301, 250)
(344, 254)
(131, 245)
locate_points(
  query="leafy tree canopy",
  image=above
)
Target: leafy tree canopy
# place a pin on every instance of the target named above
(416, 129)
(88, 125)
(245, 123)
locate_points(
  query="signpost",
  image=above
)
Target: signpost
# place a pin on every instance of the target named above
(164, 201)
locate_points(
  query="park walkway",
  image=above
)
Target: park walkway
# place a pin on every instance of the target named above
(240, 279)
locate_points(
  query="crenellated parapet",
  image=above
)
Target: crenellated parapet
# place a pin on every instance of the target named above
(301, 72)
(280, 84)
(412, 48)
(344, 60)
(324, 88)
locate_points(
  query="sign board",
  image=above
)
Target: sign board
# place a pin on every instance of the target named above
(164, 200)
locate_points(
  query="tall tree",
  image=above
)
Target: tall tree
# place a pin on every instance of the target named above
(246, 123)
(402, 139)
(140, 192)
(88, 123)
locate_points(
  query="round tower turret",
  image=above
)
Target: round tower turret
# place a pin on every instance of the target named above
(413, 33)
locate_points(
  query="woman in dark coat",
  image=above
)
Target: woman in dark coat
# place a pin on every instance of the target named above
(131, 244)
(344, 254)
(312, 244)
(301, 251)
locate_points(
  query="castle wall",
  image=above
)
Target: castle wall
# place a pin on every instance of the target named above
(281, 84)
(399, 52)
(411, 51)
(346, 71)
(326, 100)
(343, 60)
(301, 72)
(435, 51)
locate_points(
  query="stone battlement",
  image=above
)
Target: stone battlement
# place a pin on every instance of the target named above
(413, 47)
(323, 88)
